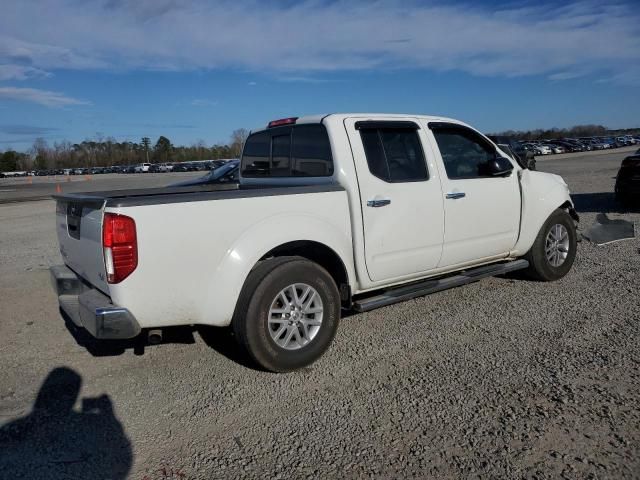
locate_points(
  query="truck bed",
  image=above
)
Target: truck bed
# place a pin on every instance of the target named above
(196, 193)
(194, 241)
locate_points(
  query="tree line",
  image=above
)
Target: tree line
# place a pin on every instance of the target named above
(573, 132)
(106, 152)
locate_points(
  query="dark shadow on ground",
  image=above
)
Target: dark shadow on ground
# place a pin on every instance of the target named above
(56, 441)
(219, 339)
(603, 202)
(111, 348)
(223, 341)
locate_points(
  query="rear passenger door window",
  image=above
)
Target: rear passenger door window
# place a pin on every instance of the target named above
(394, 154)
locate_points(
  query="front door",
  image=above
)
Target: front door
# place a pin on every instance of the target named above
(482, 212)
(400, 196)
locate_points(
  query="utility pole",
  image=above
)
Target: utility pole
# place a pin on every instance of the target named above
(145, 143)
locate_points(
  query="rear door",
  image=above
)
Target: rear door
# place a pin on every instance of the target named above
(400, 196)
(482, 212)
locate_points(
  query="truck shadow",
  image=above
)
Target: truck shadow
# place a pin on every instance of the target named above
(222, 341)
(219, 339)
(56, 441)
(112, 348)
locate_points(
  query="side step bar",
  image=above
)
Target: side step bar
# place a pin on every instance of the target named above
(407, 292)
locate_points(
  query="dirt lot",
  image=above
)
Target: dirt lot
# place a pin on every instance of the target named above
(504, 378)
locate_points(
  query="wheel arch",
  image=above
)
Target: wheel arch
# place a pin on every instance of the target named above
(542, 194)
(321, 254)
(314, 238)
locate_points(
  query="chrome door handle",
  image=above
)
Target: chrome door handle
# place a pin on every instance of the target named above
(378, 203)
(455, 195)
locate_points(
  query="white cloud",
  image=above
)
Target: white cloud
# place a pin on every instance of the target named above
(20, 72)
(312, 36)
(42, 97)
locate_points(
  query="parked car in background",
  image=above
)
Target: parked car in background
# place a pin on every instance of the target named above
(516, 150)
(543, 150)
(556, 148)
(182, 167)
(226, 173)
(570, 146)
(587, 145)
(627, 188)
(525, 160)
(142, 168)
(612, 142)
(160, 168)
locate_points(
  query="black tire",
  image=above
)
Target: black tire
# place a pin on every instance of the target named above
(623, 198)
(250, 320)
(540, 267)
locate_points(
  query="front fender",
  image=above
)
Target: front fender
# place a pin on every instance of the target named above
(542, 193)
(230, 275)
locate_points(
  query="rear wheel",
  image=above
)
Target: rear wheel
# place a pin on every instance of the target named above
(287, 313)
(554, 250)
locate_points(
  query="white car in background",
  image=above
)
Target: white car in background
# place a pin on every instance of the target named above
(543, 150)
(557, 148)
(142, 168)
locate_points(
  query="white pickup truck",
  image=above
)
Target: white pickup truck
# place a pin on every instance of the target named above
(335, 212)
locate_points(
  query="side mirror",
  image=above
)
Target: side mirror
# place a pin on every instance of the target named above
(499, 167)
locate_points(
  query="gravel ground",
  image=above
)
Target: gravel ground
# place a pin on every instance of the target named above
(503, 378)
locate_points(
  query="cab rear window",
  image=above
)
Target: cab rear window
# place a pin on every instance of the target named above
(290, 151)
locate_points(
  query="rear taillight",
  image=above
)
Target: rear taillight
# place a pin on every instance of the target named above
(120, 246)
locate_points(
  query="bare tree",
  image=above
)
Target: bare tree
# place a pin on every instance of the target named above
(40, 153)
(238, 137)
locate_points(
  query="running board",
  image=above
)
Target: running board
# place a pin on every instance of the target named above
(407, 292)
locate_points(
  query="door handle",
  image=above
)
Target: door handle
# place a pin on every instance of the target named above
(455, 195)
(378, 202)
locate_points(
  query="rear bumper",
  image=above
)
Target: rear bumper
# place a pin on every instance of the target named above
(90, 308)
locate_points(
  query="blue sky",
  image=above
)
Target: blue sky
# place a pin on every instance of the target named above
(196, 70)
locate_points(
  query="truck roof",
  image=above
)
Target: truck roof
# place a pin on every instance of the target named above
(319, 118)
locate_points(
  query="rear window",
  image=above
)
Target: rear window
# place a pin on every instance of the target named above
(297, 151)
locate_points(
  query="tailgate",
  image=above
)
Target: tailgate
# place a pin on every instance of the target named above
(79, 229)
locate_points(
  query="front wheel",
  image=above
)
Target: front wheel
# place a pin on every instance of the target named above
(554, 249)
(287, 313)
